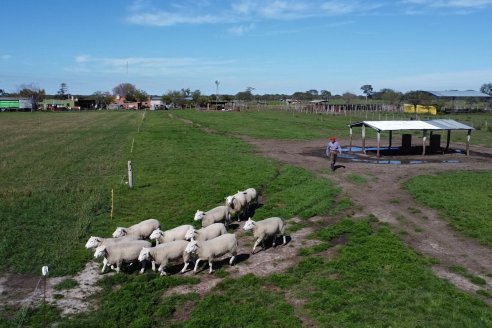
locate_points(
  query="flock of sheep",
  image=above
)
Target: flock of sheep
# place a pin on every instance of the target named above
(129, 245)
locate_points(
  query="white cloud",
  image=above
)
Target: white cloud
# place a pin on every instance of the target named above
(456, 80)
(239, 30)
(456, 6)
(241, 11)
(82, 58)
(152, 66)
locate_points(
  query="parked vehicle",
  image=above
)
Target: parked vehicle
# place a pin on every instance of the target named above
(15, 104)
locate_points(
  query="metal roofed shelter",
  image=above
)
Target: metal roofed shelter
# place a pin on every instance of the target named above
(430, 125)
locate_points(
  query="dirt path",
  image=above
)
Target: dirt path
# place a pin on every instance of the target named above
(382, 196)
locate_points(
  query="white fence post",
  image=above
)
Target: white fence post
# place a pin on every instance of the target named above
(130, 174)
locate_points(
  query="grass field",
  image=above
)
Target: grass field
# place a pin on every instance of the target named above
(463, 198)
(58, 170)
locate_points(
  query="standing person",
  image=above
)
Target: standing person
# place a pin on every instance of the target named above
(333, 149)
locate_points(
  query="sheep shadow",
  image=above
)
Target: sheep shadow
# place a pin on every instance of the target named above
(269, 243)
(224, 262)
(252, 210)
(336, 167)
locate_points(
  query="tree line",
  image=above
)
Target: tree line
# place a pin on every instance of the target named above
(185, 95)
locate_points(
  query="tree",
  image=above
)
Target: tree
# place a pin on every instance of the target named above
(196, 95)
(325, 94)
(313, 92)
(389, 96)
(348, 97)
(33, 92)
(63, 91)
(140, 95)
(417, 98)
(245, 95)
(367, 89)
(124, 90)
(486, 88)
(103, 98)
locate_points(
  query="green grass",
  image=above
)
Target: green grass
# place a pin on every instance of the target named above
(462, 198)
(356, 179)
(60, 193)
(68, 283)
(275, 124)
(243, 302)
(463, 272)
(376, 281)
(57, 173)
(133, 301)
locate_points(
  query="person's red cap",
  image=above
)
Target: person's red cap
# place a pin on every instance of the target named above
(333, 138)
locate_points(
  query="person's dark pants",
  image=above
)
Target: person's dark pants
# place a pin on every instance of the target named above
(333, 159)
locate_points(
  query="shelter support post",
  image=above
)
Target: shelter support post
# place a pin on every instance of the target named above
(379, 143)
(390, 139)
(448, 139)
(350, 144)
(364, 139)
(468, 143)
(424, 139)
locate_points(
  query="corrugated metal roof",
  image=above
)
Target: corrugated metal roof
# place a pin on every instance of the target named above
(459, 94)
(413, 125)
(450, 125)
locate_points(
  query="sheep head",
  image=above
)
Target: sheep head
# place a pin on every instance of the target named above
(190, 233)
(192, 246)
(249, 225)
(144, 254)
(198, 215)
(93, 242)
(119, 232)
(100, 251)
(156, 234)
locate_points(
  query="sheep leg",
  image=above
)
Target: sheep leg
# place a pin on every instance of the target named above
(274, 240)
(196, 265)
(142, 270)
(285, 239)
(105, 262)
(185, 267)
(161, 270)
(231, 261)
(210, 262)
(153, 266)
(118, 266)
(256, 244)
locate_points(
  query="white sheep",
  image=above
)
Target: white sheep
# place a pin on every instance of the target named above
(216, 214)
(211, 249)
(236, 204)
(163, 253)
(209, 232)
(117, 254)
(264, 229)
(251, 196)
(140, 230)
(94, 241)
(173, 234)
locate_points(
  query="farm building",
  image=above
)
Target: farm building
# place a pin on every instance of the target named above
(462, 101)
(424, 126)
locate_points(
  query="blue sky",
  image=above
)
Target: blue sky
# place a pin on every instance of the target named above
(278, 46)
